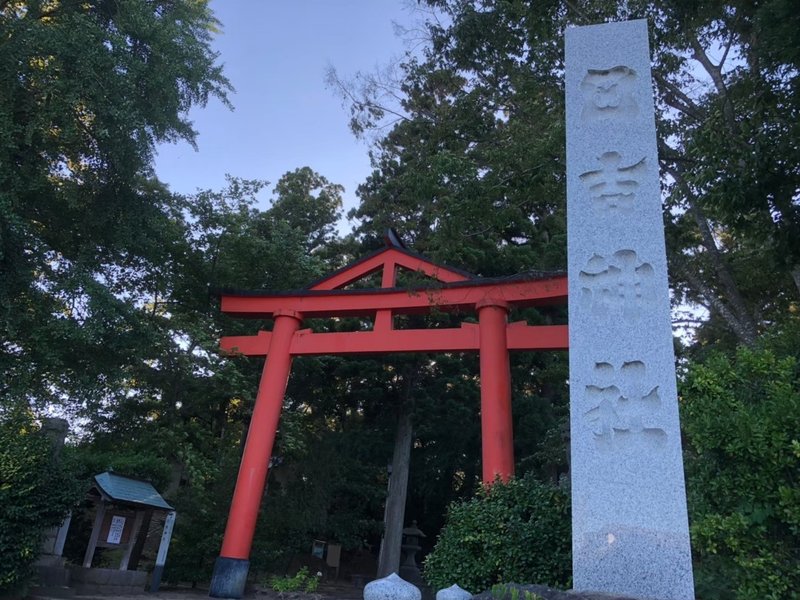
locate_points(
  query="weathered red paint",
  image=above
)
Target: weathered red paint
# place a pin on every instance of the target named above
(260, 437)
(519, 336)
(378, 261)
(493, 337)
(340, 303)
(497, 436)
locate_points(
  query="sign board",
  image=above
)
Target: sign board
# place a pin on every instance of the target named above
(115, 529)
(318, 549)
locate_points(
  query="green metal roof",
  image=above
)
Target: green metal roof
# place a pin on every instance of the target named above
(124, 489)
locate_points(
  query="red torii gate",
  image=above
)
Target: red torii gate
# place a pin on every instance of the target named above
(493, 337)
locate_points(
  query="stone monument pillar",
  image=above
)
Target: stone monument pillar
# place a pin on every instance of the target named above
(629, 522)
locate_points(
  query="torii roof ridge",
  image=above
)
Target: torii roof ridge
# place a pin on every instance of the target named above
(531, 275)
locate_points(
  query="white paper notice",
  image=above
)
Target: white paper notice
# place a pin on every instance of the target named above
(115, 530)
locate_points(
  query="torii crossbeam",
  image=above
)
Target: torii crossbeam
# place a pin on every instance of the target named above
(451, 289)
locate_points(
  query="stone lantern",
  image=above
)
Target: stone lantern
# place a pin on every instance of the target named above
(410, 546)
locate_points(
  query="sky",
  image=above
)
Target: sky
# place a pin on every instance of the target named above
(276, 54)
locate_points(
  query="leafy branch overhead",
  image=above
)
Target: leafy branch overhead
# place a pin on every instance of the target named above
(473, 172)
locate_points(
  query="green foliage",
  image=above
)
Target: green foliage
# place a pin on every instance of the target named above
(136, 463)
(519, 531)
(301, 581)
(328, 485)
(104, 306)
(202, 504)
(471, 169)
(504, 592)
(310, 204)
(36, 493)
(741, 418)
(89, 89)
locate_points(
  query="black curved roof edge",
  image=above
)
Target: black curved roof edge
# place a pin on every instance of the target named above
(524, 276)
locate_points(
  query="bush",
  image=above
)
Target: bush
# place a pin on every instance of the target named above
(519, 531)
(741, 419)
(36, 493)
(302, 581)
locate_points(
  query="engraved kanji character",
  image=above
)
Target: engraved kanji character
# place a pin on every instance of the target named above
(613, 186)
(609, 93)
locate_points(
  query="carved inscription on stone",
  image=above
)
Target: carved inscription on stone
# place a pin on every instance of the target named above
(625, 408)
(617, 284)
(609, 93)
(613, 186)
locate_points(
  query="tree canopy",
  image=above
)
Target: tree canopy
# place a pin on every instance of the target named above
(106, 315)
(475, 161)
(89, 88)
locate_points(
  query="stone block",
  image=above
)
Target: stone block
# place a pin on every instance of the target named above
(630, 526)
(392, 587)
(229, 578)
(454, 592)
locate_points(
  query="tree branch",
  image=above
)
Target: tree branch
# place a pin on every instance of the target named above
(739, 318)
(717, 305)
(715, 72)
(680, 101)
(730, 42)
(689, 321)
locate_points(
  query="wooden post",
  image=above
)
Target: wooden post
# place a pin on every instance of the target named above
(163, 548)
(389, 560)
(137, 525)
(138, 545)
(98, 524)
(61, 537)
(496, 426)
(230, 569)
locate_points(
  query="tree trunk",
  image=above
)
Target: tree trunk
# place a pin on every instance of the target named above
(744, 333)
(747, 330)
(389, 561)
(730, 305)
(796, 276)
(141, 539)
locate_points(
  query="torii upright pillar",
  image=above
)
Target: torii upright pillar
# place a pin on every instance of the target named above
(497, 436)
(233, 563)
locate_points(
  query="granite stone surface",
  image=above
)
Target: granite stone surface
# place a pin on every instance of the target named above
(629, 521)
(392, 587)
(454, 592)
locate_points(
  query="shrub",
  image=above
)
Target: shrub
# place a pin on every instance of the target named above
(36, 493)
(519, 531)
(509, 592)
(741, 419)
(302, 581)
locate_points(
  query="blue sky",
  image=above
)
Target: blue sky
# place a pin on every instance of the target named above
(276, 54)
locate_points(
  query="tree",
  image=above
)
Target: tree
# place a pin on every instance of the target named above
(180, 404)
(313, 215)
(727, 102)
(91, 247)
(464, 185)
(472, 168)
(741, 415)
(471, 171)
(88, 90)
